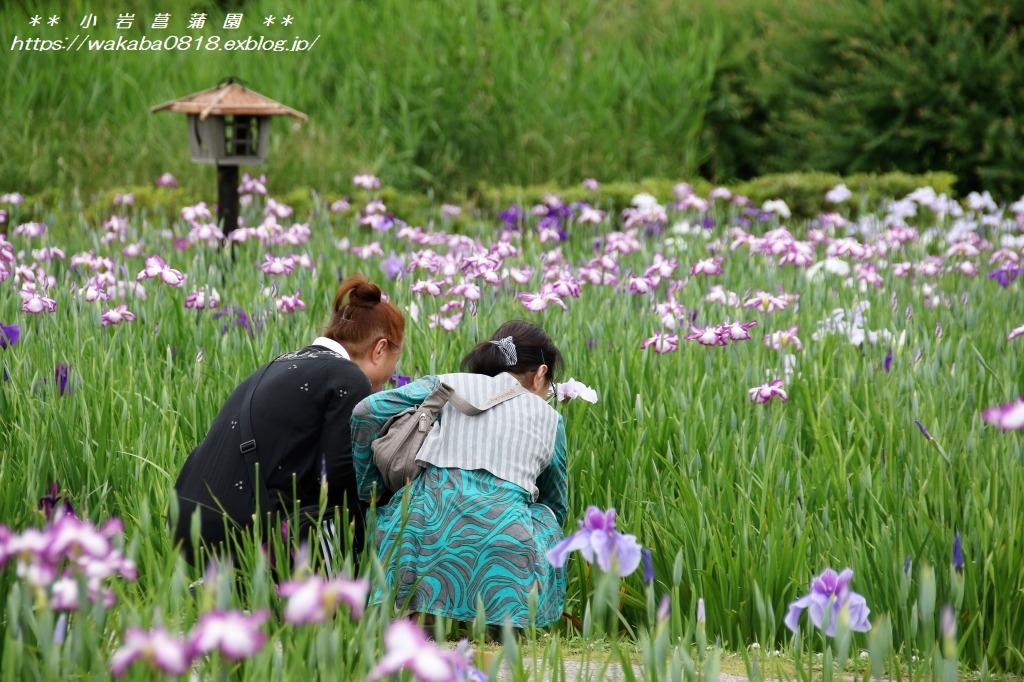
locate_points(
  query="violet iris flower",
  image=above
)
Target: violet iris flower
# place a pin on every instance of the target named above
(597, 540)
(392, 266)
(830, 595)
(513, 217)
(9, 335)
(53, 503)
(1005, 276)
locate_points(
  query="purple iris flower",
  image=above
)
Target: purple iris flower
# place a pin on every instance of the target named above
(400, 380)
(513, 217)
(958, 554)
(237, 317)
(9, 335)
(1005, 276)
(60, 377)
(888, 361)
(830, 594)
(392, 266)
(597, 540)
(49, 504)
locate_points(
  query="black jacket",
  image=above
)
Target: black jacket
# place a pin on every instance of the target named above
(300, 421)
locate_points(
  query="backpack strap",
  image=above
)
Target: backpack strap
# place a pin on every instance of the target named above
(257, 477)
(470, 410)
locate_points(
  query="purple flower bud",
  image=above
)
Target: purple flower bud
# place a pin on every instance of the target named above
(60, 377)
(648, 566)
(958, 554)
(906, 566)
(888, 361)
(664, 608)
(923, 430)
(701, 615)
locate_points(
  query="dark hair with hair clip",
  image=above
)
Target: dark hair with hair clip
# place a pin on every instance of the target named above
(529, 348)
(362, 317)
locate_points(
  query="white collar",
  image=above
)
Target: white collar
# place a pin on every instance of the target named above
(331, 344)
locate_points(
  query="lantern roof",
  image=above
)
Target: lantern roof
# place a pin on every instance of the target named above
(228, 98)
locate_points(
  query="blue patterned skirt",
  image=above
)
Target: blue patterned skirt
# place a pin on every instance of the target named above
(468, 535)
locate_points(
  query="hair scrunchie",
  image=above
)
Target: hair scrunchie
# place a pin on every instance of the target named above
(508, 349)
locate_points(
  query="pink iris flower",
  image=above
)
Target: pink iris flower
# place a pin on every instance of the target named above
(289, 304)
(277, 265)
(201, 299)
(156, 267)
(570, 389)
(35, 303)
(166, 180)
(407, 648)
(1009, 416)
(156, 648)
(366, 181)
(707, 336)
(781, 339)
(117, 315)
(315, 599)
(707, 266)
(1015, 332)
(31, 230)
(539, 301)
(236, 635)
(765, 392)
(766, 302)
(737, 331)
(662, 343)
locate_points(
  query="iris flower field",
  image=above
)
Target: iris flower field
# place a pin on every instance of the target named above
(795, 439)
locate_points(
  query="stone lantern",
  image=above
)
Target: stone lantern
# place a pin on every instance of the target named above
(229, 125)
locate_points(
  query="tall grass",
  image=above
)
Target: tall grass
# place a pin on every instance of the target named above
(444, 97)
(741, 504)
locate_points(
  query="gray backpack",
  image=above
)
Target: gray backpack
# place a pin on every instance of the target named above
(400, 439)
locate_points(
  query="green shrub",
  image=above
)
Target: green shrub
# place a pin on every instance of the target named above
(849, 86)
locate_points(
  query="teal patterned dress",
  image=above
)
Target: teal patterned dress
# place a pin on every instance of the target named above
(453, 536)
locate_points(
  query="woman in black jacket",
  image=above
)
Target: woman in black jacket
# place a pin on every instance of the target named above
(284, 431)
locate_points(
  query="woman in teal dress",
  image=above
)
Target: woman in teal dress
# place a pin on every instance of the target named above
(473, 528)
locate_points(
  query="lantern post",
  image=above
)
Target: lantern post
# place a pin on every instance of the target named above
(229, 125)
